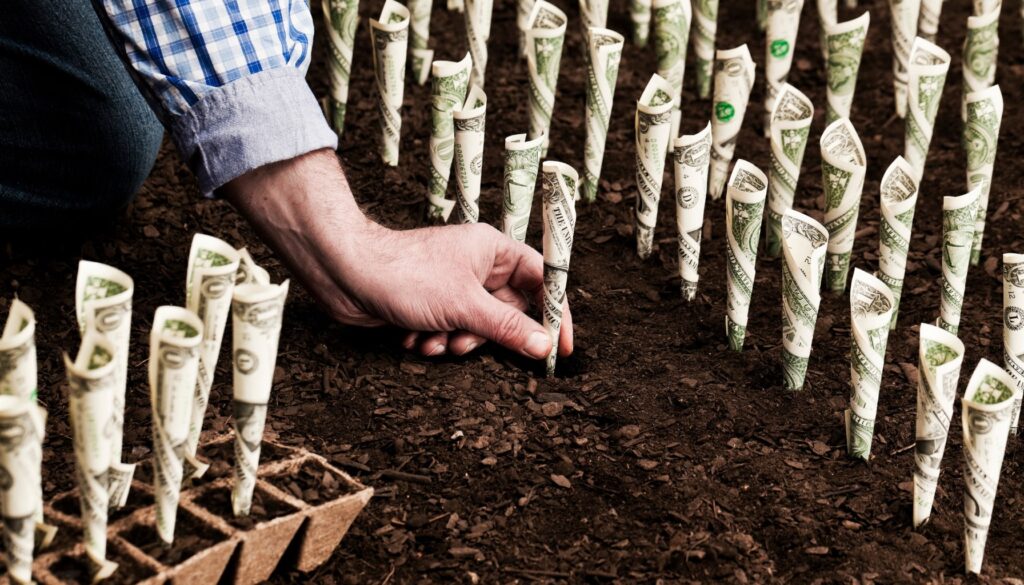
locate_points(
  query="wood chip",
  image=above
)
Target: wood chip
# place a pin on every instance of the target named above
(561, 481)
(816, 550)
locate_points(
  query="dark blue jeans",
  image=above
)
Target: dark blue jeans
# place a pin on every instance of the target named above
(77, 139)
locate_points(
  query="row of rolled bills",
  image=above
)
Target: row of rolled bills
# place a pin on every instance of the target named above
(185, 344)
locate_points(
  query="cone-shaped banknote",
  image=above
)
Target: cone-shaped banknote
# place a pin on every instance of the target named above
(734, 78)
(981, 50)
(469, 152)
(691, 157)
(940, 357)
(671, 38)
(903, 15)
(640, 16)
(928, 21)
(174, 347)
(705, 27)
(780, 40)
(803, 262)
(1013, 328)
(390, 37)
(256, 314)
(871, 306)
(828, 15)
(986, 409)
(980, 139)
(560, 184)
(898, 201)
(604, 49)
(544, 39)
(477, 31)
(843, 165)
(92, 378)
(341, 17)
(593, 14)
(448, 88)
(212, 268)
(927, 76)
(522, 161)
(652, 125)
(744, 208)
(788, 130)
(21, 457)
(248, 271)
(844, 45)
(103, 301)
(958, 217)
(19, 378)
(419, 34)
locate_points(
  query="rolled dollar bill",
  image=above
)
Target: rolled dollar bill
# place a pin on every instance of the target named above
(744, 208)
(19, 378)
(103, 301)
(594, 14)
(788, 130)
(803, 251)
(477, 32)
(419, 35)
(604, 49)
(871, 306)
(256, 314)
(986, 411)
(958, 217)
(783, 24)
(652, 124)
(523, 10)
(560, 183)
(522, 161)
(469, 151)
(671, 38)
(544, 39)
(844, 45)
(705, 27)
(981, 51)
(341, 17)
(1013, 329)
(927, 76)
(904, 15)
(980, 139)
(692, 156)
(940, 356)
(640, 16)
(174, 348)
(843, 165)
(21, 458)
(248, 271)
(928, 21)
(828, 15)
(390, 36)
(734, 78)
(92, 378)
(898, 202)
(447, 93)
(212, 268)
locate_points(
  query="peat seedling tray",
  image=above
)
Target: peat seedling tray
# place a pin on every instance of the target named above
(302, 509)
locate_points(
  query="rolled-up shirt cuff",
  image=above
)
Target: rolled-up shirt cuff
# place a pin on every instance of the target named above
(260, 119)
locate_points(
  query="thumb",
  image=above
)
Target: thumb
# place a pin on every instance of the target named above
(489, 317)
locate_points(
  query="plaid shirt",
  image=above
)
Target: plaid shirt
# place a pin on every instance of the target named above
(226, 76)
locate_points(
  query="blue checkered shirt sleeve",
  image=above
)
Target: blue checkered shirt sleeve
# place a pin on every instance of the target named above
(226, 76)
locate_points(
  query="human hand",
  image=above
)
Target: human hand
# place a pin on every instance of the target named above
(452, 287)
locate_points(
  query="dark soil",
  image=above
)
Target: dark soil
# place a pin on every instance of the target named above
(71, 506)
(655, 451)
(191, 536)
(264, 507)
(78, 569)
(312, 483)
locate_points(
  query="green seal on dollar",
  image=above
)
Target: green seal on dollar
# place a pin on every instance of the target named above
(724, 111)
(779, 48)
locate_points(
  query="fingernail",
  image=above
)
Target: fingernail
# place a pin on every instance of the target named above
(472, 345)
(538, 345)
(438, 350)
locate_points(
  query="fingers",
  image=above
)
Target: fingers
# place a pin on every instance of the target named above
(463, 342)
(565, 334)
(434, 344)
(516, 265)
(489, 317)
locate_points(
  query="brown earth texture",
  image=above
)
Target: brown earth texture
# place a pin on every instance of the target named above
(655, 452)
